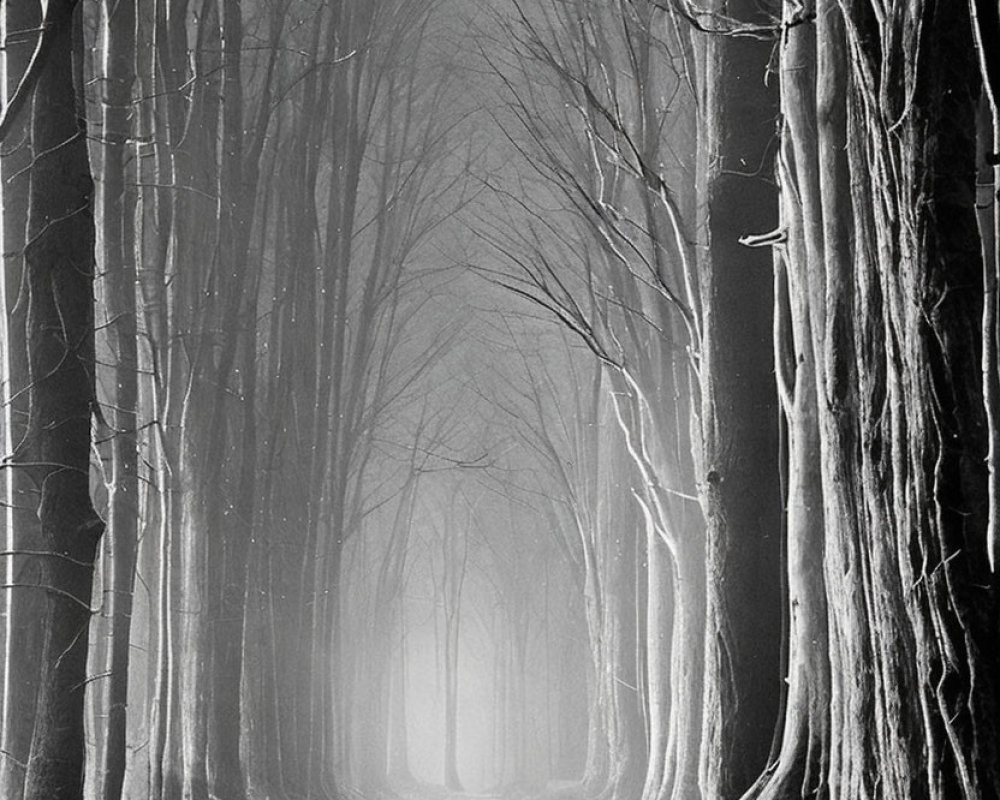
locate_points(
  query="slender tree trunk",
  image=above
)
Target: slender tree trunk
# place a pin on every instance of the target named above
(986, 30)
(455, 556)
(660, 597)
(230, 530)
(192, 638)
(197, 300)
(20, 603)
(939, 497)
(628, 735)
(596, 765)
(398, 750)
(120, 276)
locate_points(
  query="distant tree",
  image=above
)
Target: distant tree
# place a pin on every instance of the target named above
(559, 408)
(450, 521)
(614, 263)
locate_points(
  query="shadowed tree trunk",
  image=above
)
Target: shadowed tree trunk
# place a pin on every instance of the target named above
(740, 489)
(60, 265)
(21, 640)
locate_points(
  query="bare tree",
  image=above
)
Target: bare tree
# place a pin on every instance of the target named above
(59, 272)
(118, 263)
(881, 343)
(22, 644)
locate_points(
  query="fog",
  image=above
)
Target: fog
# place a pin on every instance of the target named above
(549, 400)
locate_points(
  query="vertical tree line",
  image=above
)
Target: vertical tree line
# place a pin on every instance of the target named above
(821, 270)
(257, 396)
(251, 304)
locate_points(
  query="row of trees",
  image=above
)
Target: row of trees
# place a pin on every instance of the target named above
(268, 176)
(762, 222)
(238, 416)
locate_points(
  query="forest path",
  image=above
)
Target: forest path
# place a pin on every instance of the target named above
(553, 790)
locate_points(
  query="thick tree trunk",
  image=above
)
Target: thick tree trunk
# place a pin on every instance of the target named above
(230, 530)
(929, 268)
(888, 314)
(60, 265)
(740, 487)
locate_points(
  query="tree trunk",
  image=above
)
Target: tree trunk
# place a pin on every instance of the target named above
(60, 264)
(193, 639)
(886, 300)
(398, 757)
(454, 564)
(230, 529)
(120, 276)
(740, 487)
(20, 603)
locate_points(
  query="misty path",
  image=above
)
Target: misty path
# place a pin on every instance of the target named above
(499, 400)
(553, 790)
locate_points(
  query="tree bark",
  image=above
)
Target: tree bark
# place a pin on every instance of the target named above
(20, 602)
(120, 280)
(886, 296)
(60, 264)
(740, 487)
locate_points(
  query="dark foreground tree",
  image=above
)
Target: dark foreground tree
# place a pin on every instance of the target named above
(59, 256)
(739, 479)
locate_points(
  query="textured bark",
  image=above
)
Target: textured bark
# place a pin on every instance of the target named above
(231, 529)
(60, 266)
(193, 289)
(158, 359)
(21, 642)
(930, 276)
(119, 270)
(199, 472)
(886, 288)
(740, 489)
(192, 639)
(986, 30)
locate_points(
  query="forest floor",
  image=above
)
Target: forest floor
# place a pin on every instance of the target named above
(553, 790)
